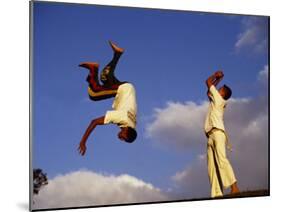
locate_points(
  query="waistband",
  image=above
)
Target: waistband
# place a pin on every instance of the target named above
(214, 130)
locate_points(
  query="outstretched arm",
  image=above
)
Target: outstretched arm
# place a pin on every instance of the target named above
(214, 79)
(82, 146)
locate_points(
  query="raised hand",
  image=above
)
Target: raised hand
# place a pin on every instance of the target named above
(219, 74)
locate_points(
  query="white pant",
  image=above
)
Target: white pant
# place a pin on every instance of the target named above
(219, 169)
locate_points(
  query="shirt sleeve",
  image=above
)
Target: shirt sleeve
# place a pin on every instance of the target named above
(215, 96)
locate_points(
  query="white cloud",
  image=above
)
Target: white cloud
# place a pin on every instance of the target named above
(87, 188)
(193, 180)
(263, 75)
(254, 35)
(246, 120)
(179, 125)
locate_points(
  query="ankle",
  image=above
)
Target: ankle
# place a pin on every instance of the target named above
(234, 188)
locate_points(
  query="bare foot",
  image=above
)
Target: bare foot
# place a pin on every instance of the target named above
(116, 48)
(89, 65)
(234, 188)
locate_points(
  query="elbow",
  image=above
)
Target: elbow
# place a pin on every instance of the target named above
(93, 122)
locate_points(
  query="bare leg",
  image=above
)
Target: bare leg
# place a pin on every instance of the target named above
(93, 75)
(107, 76)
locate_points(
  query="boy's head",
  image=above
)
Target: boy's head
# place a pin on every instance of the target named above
(225, 92)
(127, 134)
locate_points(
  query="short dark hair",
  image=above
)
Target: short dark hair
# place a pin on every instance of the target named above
(132, 135)
(228, 92)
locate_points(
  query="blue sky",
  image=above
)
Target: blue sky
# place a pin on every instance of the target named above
(168, 56)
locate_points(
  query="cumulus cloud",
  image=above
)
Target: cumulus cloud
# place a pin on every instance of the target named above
(192, 182)
(247, 125)
(254, 35)
(246, 121)
(87, 188)
(263, 76)
(179, 125)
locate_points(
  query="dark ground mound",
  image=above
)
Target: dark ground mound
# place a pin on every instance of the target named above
(256, 193)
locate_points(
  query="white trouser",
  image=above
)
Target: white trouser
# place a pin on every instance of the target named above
(219, 169)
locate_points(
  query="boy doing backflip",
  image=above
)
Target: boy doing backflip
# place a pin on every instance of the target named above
(220, 172)
(124, 105)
